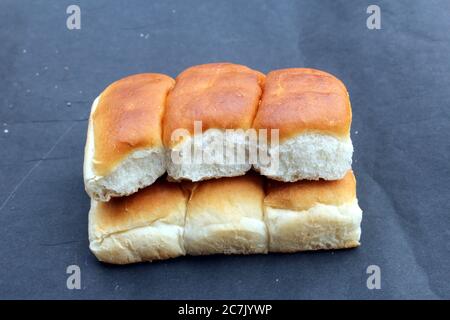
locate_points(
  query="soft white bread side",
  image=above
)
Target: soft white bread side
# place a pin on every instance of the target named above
(218, 96)
(312, 111)
(124, 150)
(213, 164)
(319, 227)
(143, 227)
(226, 216)
(139, 169)
(313, 215)
(309, 156)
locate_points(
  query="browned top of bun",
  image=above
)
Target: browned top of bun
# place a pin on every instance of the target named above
(302, 195)
(162, 201)
(227, 198)
(221, 95)
(298, 100)
(128, 117)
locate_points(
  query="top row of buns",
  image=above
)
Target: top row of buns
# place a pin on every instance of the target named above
(133, 122)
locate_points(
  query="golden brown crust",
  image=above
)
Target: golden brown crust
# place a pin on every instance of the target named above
(226, 196)
(298, 100)
(162, 201)
(302, 195)
(128, 117)
(221, 95)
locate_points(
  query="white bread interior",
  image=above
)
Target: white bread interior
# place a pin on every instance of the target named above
(319, 227)
(138, 170)
(188, 170)
(310, 156)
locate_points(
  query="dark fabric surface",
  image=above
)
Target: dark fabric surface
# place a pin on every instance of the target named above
(398, 78)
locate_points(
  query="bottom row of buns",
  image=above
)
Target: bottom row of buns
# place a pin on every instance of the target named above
(240, 215)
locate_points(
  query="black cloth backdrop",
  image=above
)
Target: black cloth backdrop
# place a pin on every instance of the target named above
(398, 78)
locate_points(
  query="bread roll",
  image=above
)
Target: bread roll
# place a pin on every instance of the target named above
(226, 216)
(124, 150)
(312, 111)
(312, 215)
(145, 226)
(222, 96)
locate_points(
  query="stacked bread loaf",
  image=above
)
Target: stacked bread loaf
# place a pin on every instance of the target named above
(152, 198)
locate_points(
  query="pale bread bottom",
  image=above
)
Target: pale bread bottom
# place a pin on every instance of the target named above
(156, 241)
(240, 237)
(319, 227)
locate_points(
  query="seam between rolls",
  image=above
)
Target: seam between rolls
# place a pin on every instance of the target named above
(183, 231)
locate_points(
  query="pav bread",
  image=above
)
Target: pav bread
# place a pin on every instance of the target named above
(146, 124)
(226, 216)
(312, 215)
(311, 109)
(145, 226)
(216, 96)
(124, 150)
(233, 215)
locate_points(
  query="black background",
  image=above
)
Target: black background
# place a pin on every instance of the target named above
(398, 78)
